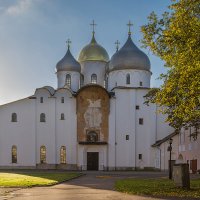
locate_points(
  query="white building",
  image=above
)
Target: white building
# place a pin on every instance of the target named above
(95, 120)
(185, 149)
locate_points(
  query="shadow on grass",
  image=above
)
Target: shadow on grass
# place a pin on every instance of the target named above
(30, 178)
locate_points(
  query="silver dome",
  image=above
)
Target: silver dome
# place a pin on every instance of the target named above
(129, 57)
(68, 63)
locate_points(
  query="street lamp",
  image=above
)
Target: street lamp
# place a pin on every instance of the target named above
(170, 157)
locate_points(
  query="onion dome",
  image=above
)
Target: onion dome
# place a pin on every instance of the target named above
(93, 52)
(68, 62)
(129, 57)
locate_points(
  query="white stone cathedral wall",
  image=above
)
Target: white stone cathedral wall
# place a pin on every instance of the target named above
(112, 135)
(146, 133)
(118, 78)
(75, 79)
(66, 130)
(93, 67)
(124, 123)
(20, 133)
(29, 134)
(45, 131)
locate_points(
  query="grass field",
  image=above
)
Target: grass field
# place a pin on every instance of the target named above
(29, 179)
(157, 187)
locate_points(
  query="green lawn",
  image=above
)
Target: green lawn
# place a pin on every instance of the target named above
(157, 187)
(34, 178)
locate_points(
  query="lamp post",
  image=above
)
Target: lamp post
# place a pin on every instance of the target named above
(170, 157)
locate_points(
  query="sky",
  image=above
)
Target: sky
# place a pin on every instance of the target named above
(33, 35)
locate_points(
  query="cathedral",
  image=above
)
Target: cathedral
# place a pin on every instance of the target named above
(95, 119)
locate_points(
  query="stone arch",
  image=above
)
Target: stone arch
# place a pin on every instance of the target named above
(180, 159)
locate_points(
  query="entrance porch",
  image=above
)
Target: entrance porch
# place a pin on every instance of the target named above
(92, 157)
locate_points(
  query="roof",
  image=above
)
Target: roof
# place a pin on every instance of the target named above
(159, 142)
(68, 63)
(129, 57)
(92, 85)
(93, 52)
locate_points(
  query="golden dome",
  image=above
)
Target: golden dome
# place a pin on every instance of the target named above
(93, 52)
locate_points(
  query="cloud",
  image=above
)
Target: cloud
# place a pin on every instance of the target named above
(20, 7)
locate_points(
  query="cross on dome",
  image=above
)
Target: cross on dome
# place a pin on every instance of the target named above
(129, 27)
(117, 45)
(93, 27)
(68, 43)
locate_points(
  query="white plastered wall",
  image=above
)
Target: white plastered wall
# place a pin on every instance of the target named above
(20, 133)
(124, 120)
(45, 131)
(93, 67)
(75, 79)
(66, 130)
(118, 78)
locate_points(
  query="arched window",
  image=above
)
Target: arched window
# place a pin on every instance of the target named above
(62, 100)
(14, 154)
(94, 78)
(128, 79)
(63, 155)
(62, 116)
(42, 154)
(41, 100)
(68, 80)
(42, 117)
(92, 136)
(82, 80)
(14, 117)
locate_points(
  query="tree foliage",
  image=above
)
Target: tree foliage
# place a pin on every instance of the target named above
(175, 38)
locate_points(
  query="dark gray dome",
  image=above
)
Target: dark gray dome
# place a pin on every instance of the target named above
(68, 63)
(129, 57)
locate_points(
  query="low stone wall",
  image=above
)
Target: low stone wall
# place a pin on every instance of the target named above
(17, 167)
(67, 166)
(57, 166)
(46, 166)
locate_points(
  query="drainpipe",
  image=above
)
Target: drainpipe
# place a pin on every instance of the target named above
(159, 156)
(115, 136)
(160, 160)
(56, 156)
(36, 148)
(135, 132)
(156, 135)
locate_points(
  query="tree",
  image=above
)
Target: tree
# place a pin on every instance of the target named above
(175, 38)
